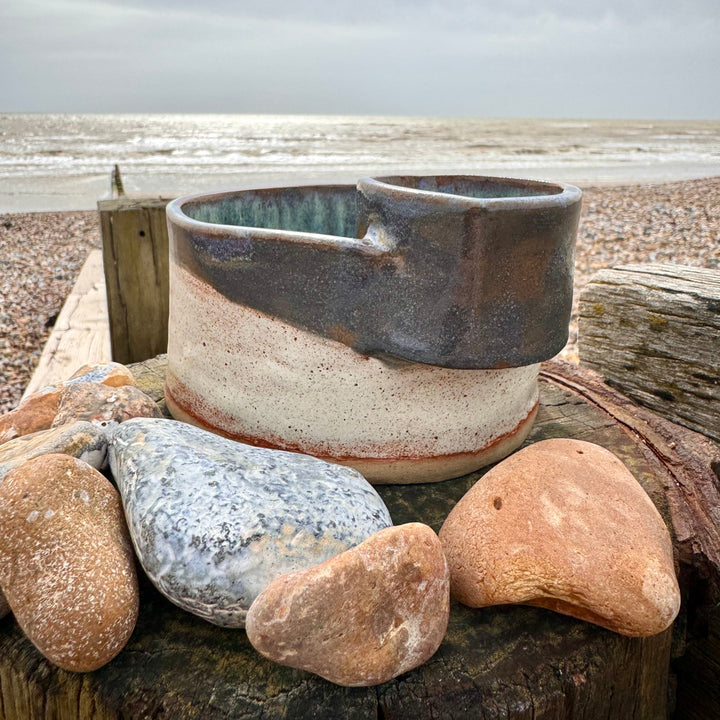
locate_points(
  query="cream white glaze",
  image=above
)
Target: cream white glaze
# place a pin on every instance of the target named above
(247, 374)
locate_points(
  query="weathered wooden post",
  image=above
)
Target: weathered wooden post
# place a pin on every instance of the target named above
(653, 331)
(135, 257)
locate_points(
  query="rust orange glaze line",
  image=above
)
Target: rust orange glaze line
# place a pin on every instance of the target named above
(185, 412)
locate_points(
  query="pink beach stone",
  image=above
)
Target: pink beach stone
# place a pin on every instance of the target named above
(38, 410)
(563, 524)
(96, 402)
(363, 617)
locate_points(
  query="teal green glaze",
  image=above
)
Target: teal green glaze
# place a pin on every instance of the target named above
(315, 210)
(309, 210)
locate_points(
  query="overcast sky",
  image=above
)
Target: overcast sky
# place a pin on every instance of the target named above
(497, 58)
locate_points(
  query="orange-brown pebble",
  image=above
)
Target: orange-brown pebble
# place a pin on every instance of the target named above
(92, 401)
(563, 524)
(66, 563)
(363, 617)
(38, 411)
(111, 374)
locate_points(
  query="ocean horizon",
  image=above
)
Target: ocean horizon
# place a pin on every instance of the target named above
(64, 162)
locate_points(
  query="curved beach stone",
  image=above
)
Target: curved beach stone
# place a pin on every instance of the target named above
(112, 374)
(563, 524)
(35, 413)
(83, 440)
(96, 402)
(4, 607)
(66, 562)
(38, 411)
(262, 381)
(362, 617)
(214, 521)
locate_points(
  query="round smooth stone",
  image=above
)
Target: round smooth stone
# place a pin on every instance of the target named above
(66, 563)
(83, 440)
(94, 401)
(363, 617)
(112, 374)
(563, 524)
(38, 410)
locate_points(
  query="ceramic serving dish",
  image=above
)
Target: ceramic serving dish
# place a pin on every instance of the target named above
(395, 326)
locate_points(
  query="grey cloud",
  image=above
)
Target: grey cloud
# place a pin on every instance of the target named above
(558, 58)
(459, 13)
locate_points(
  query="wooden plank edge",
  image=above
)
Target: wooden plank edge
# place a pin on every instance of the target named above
(81, 333)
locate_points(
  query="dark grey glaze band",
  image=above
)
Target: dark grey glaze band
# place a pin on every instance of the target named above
(455, 271)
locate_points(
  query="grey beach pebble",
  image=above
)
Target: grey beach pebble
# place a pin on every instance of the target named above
(84, 440)
(214, 521)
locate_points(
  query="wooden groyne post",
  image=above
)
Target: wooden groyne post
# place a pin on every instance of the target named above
(135, 258)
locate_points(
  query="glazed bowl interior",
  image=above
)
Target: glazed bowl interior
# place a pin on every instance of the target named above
(324, 210)
(333, 209)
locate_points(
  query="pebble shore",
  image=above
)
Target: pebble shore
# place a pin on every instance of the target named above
(41, 255)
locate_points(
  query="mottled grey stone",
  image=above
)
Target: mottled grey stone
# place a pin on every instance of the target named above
(84, 440)
(214, 521)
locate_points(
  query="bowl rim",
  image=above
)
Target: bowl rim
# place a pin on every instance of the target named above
(559, 195)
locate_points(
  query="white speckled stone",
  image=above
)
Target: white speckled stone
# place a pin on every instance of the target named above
(214, 521)
(66, 563)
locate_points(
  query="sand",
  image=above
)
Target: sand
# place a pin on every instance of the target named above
(42, 253)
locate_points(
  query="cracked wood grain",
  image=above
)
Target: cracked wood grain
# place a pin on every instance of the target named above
(653, 331)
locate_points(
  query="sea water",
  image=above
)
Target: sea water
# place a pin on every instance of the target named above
(62, 162)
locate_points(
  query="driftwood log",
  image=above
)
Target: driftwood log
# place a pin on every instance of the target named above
(653, 331)
(504, 662)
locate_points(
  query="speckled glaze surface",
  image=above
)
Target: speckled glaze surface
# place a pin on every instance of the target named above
(213, 521)
(396, 326)
(253, 377)
(454, 271)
